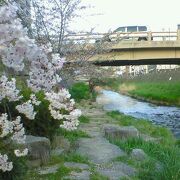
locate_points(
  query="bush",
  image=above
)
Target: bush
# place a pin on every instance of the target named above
(80, 91)
(43, 124)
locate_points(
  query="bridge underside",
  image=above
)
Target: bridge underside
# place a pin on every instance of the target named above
(135, 55)
(137, 62)
(142, 56)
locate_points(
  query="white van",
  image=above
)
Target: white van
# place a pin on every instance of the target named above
(126, 33)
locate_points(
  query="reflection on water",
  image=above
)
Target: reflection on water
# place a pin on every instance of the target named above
(162, 115)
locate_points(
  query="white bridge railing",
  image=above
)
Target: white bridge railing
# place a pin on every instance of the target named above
(147, 36)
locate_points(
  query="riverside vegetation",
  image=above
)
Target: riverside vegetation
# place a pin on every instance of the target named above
(161, 148)
(160, 88)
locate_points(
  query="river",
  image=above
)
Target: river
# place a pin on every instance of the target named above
(161, 115)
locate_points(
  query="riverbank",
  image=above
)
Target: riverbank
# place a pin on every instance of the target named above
(160, 93)
(96, 155)
(111, 145)
(165, 116)
(157, 147)
(161, 160)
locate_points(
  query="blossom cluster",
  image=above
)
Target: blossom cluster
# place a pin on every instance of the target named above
(62, 108)
(14, 130)
(4, 164)
(17, 47)
(6, 126)
(8, 89)
(27, 108)
(19, 153)
(18, 131)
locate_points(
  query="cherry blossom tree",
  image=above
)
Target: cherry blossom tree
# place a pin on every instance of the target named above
(17, 52)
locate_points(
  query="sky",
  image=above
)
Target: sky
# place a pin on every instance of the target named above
(107, 15)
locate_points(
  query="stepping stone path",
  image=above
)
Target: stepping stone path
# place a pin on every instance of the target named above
(83, 175)
(76, 165)
(99, 151)
(116, 170)
(49, 170)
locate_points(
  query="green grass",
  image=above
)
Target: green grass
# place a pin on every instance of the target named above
(74, 157)
(153, 86)
(168, 92)
(62, 171)
(112, 83)
(72, 136)
(84, 119)
(144, 126)
(97, 176)
(80, 91)
(167, 156)
(165, 152)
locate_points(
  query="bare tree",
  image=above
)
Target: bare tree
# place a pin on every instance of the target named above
(50, 23)
(80, 63)
(51, 20)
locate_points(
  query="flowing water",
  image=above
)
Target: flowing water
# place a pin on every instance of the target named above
(162, 115)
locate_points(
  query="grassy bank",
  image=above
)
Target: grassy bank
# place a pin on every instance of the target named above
(167, 93)
(163, 155)
(156, 88)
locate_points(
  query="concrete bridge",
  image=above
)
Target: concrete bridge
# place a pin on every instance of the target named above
(125, 49)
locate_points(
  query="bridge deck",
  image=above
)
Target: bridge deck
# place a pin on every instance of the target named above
(144, 44)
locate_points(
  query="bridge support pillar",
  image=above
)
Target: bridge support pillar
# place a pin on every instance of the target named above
(150, 36)
(178, 34)
(127, 71)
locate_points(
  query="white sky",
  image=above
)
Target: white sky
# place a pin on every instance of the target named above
(155, 14)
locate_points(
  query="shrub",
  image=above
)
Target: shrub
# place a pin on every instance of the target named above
(43, 124)
(80, 91)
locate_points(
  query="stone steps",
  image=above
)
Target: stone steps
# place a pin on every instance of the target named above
(98, 150)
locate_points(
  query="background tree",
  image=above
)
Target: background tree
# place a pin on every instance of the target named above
(51, 19)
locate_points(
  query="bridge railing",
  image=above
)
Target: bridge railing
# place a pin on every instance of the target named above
(147, 36)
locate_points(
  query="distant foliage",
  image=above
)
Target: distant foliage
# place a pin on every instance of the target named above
(80, 91)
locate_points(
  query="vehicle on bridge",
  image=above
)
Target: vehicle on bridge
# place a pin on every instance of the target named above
(139, 33)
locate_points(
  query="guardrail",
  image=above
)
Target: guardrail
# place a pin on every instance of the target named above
(119, 36)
